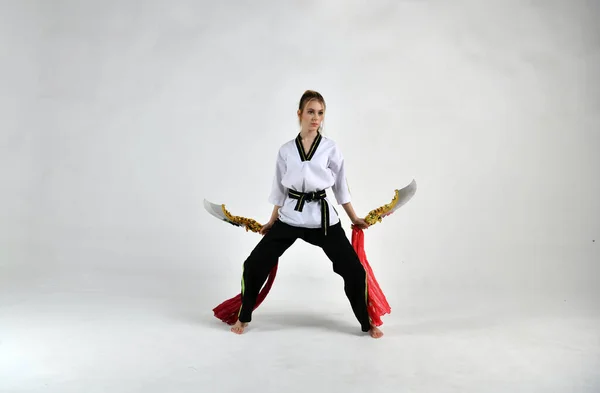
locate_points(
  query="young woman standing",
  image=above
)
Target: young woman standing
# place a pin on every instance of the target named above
(305, 168)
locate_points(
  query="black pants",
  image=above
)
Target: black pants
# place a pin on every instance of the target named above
(336, 246)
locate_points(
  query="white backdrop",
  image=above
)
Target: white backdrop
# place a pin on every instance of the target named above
(120, 117)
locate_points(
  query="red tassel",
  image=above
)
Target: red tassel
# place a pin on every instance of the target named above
(229, 309)
(377, 306)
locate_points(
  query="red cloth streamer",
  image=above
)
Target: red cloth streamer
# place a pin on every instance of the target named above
(228, 310)
(377, 303)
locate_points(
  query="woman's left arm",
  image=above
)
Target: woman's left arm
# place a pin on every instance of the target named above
(356, 220)
(340, 188)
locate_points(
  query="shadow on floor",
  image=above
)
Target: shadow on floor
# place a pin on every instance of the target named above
(280, 321)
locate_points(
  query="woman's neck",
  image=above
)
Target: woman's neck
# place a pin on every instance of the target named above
(308, 135)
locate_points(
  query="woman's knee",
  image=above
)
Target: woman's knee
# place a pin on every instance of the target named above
(351, 269)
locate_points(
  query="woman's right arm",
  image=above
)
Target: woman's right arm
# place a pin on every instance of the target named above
(277, 195)
(275, 214)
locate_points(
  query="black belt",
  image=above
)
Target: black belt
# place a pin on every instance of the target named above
(303, 197)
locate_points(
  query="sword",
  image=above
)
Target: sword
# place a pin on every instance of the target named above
(401, 197)
(220, 212)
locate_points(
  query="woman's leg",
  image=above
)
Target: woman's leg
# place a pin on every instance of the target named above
(257, 266)
(345, 262)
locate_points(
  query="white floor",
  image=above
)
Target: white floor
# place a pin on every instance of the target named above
(116, 332)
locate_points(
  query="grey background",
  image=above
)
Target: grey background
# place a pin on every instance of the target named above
(119, 118)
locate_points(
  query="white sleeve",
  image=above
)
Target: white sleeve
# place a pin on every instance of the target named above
(277, 196)
(340, 187)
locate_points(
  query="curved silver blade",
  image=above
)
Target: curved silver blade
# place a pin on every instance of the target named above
(404, 195)
(216, 211)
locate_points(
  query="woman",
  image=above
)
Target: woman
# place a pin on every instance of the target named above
(305, 168)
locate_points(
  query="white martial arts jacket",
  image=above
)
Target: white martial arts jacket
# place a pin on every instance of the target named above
(321, 168)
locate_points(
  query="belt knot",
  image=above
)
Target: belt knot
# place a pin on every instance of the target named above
(320, 195)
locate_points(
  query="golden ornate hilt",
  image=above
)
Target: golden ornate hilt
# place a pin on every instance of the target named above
(376, 215)
(248, 223)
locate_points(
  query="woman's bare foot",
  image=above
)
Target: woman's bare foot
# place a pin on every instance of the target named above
(238, 328)
(375, 332)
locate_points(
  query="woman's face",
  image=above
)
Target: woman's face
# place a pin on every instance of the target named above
(312, 116)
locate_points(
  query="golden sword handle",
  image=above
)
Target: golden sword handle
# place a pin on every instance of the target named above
(376, 215)
(248, 223)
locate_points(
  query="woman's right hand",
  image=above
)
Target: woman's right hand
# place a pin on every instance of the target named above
(265, 228)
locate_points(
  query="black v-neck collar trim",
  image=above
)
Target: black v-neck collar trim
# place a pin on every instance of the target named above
(313, 147)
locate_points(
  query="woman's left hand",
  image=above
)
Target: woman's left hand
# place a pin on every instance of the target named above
(360, 223)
